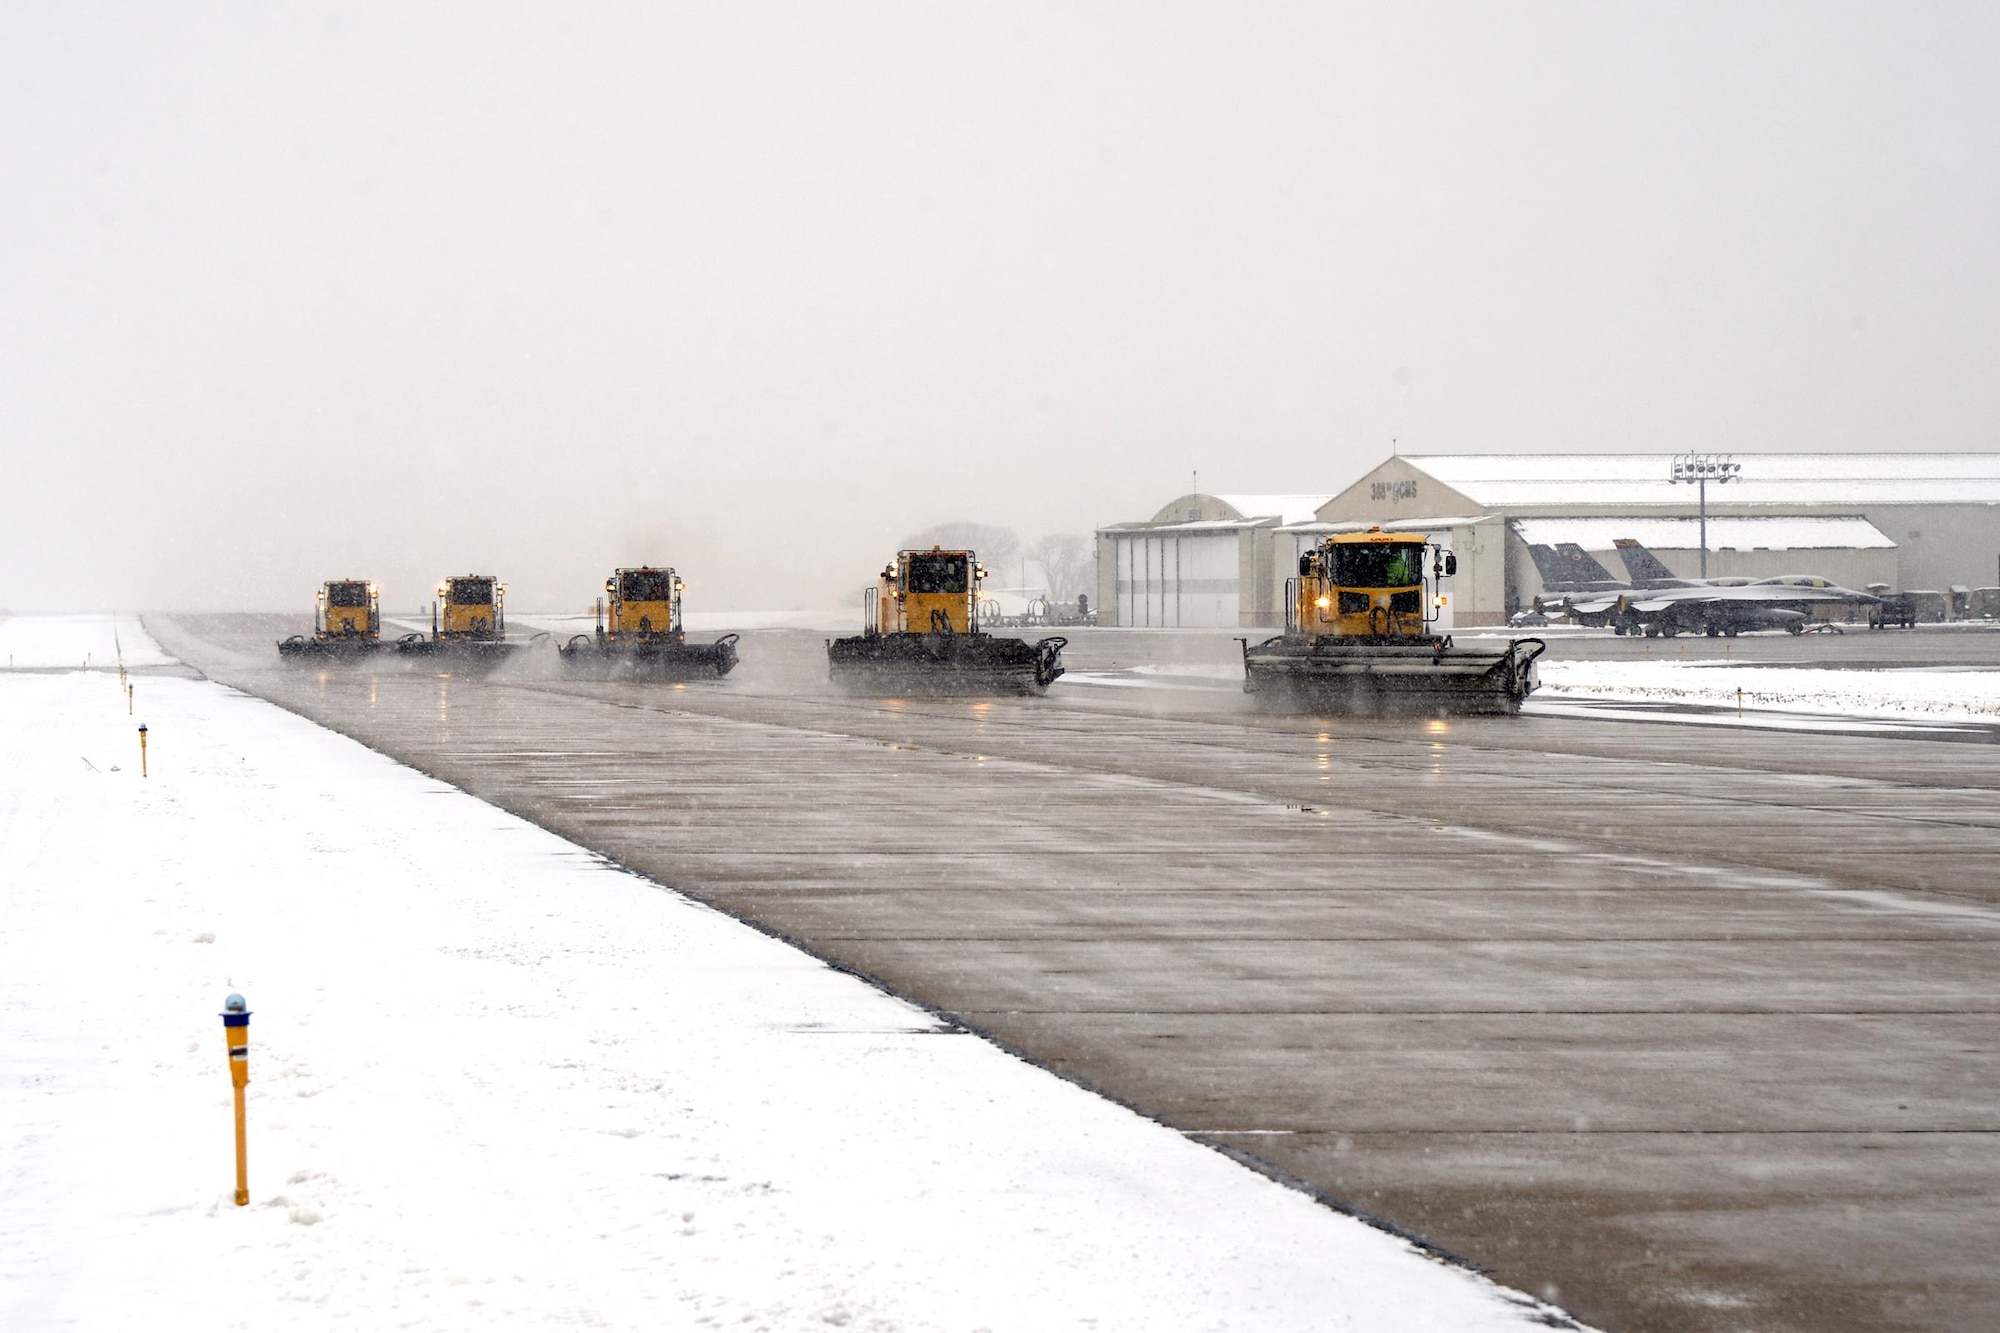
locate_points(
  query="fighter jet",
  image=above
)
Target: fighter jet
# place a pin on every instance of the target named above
(1781, 603)
(1659, 602)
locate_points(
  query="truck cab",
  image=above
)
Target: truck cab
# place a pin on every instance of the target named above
(928, 591)
(348, 609)
(644, 604)
(1367, 585)
(471, 606)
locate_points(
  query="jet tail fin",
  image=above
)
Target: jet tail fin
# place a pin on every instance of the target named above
(1642, 564)
(1555, 575)
(1583, 566)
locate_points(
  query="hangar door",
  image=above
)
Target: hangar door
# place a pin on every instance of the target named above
(1178, 580)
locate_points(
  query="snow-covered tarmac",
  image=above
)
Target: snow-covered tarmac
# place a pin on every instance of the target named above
(497, 1082)
(56, 642)
(1909, 695)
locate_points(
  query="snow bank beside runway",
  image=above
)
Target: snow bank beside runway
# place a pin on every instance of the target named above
(1912, 695)
(1928, 695)
(497, 1083)
(1933, 696)
(104, 638)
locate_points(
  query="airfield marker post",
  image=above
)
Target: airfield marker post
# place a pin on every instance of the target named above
(236, 1031)
(1739, 701)
(142, 749)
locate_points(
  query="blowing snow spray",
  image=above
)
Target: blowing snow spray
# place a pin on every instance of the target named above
(236, 1031)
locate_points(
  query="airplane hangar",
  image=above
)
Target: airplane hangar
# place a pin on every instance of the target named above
(1202, 561)
(1911, 521)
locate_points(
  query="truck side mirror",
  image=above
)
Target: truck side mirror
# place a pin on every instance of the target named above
(1306, 565)
(1447, 564)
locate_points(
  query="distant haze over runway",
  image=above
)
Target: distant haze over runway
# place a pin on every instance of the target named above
(759, 289)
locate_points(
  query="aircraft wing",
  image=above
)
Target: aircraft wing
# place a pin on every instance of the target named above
(1755, 594)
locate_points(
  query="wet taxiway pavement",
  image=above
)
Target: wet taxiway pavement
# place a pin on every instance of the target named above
(1685, 1028)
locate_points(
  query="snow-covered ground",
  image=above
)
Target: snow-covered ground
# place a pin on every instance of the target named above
(105, 641)
(497, 1083)
(1915, 695)
(1919, 695)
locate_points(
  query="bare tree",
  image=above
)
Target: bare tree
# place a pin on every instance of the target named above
(999, 548)
(1065, 558)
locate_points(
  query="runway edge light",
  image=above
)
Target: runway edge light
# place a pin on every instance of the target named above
(236, 1031)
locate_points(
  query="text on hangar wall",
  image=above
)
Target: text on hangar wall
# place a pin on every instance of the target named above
(1393, 490)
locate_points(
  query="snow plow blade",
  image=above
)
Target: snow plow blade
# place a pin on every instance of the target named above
(656, 659)
(481, 653)
(1424, 677)
(943, 664)
(303, 648)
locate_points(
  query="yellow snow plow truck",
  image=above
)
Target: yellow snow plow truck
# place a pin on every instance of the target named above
(639, 632)
(347, 622)
(921, 636)
(468, 622)
(1358, 637)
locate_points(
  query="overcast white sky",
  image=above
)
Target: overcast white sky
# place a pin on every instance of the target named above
(299, 291)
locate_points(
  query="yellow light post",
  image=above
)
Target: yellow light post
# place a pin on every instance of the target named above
(142, 749)
(236, 1031)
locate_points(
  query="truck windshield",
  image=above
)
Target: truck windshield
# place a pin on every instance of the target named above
(471, 592)
(1371, 565)
(346, 593)
(646, 585)
(939, 573)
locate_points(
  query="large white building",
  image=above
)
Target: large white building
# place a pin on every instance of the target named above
(1203, 561)
(1912, 521)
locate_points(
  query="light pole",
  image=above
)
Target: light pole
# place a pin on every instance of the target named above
(1701, 469)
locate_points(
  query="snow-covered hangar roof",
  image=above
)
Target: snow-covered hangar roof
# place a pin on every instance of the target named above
(1789, 532)
(1284, 508)
(1499, 481)
(1192, 525)
(1317, 527)
(1229, 511)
